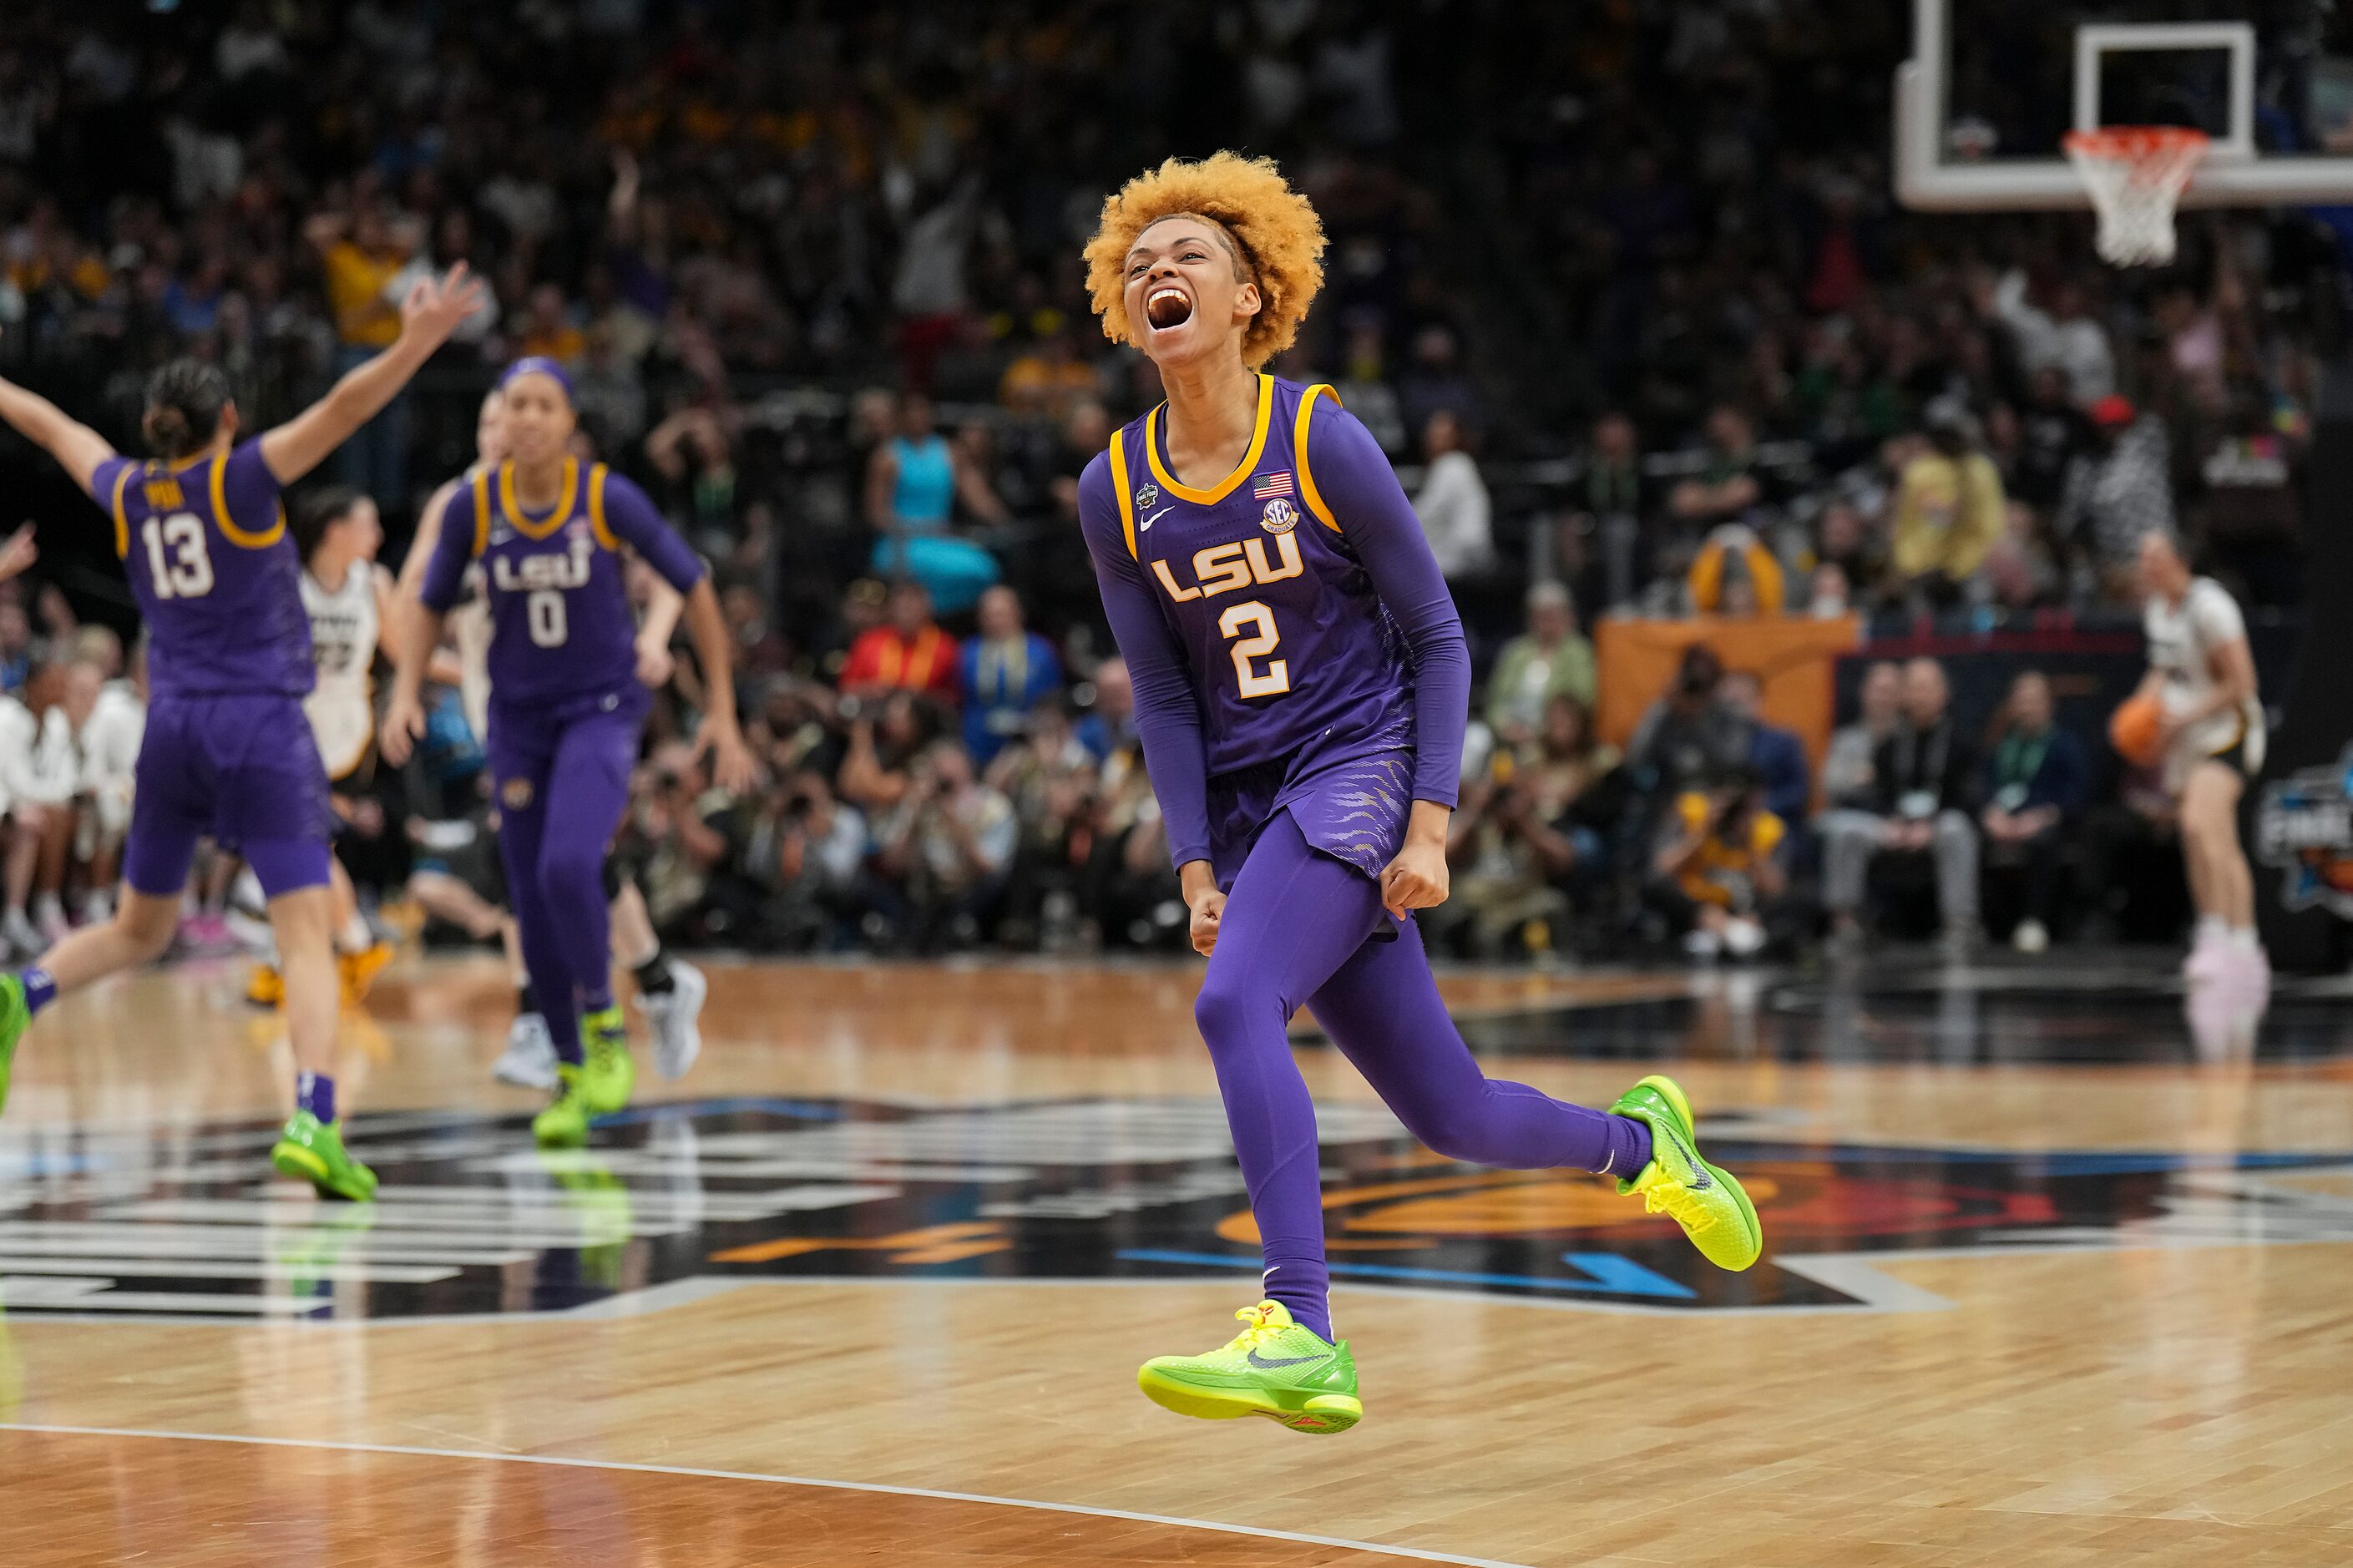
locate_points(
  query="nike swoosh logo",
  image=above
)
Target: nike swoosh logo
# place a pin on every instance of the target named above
(1700, 1177)
(1263, 1364)
(1145, 526)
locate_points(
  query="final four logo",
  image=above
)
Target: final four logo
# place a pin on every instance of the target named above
(1281, 517)
(2303, 825)
(1145, 494)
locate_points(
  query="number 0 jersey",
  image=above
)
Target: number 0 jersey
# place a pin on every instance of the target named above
(561, 624)
(214, 571)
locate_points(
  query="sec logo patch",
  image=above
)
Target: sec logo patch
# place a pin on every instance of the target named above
(515, 793)
(1279, 517)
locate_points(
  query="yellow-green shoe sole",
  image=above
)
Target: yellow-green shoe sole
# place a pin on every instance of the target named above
(294, 1161)
(1317, 1414)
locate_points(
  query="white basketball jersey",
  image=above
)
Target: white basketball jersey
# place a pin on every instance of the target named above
(2181, 643)
(343, 632)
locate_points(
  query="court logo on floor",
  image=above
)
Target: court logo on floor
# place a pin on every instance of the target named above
(675, 1203)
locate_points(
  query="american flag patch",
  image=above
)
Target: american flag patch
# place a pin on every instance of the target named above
(1275, 484)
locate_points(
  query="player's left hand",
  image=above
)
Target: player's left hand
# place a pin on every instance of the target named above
(732, 766)
(655, 666)
(18, 553)
(1416, 878)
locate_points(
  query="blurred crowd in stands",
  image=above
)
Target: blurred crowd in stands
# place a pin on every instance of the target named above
(1620, 288)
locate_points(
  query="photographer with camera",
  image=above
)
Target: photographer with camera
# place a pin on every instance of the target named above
(692, 839)
(1719, 877)
(949, 845)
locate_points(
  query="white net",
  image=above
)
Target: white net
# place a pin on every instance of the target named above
(2135, 174)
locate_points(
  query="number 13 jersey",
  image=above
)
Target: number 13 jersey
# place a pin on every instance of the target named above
(561, 624)
(1291, 649)
(214, 571)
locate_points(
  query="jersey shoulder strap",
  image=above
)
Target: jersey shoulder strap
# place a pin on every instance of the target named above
(1119, 486)
(481, 512)
(1307, 490)
(596, 510)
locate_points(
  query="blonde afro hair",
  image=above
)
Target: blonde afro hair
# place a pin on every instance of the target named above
(1279, 238)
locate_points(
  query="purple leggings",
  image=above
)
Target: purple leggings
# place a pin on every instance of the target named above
(1295, 930)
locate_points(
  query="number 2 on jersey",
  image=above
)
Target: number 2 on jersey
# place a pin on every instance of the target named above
(1276, 681)
(187, 572)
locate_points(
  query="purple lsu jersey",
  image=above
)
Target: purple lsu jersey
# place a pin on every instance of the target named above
(561, 624)
(1290, 649)
(214, 571)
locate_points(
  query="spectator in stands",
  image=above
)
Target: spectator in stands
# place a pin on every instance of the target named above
(1549, 660)
(1776, 757)
(1730, 483)
(912, 483)
(1110, 727)
(2037, 781)
(1847, 771)
(878, 767)
(2120, 493)
(2065, 337)
(695, 455)
(363, 253)
(1717, 875)
(16, 645)
(1950, 507)
(1005, 672)
(908, 652)
(2053, 432)
(1452, 500)
(38, 780)
(1922, 803)
(810, 850)
(110, 757)
(949, 848)
(1687, 736)
(694, 835)
(1516, 843)
(1611, 502)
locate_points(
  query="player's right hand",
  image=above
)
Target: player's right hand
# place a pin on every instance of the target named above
(404, 724)
(436, 306)
(1209, 908)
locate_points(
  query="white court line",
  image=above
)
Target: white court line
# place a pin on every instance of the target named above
(875, 1488)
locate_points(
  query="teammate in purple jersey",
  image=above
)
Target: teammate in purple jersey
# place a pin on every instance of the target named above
(1302, 686)
(566, 707)
(228, 753)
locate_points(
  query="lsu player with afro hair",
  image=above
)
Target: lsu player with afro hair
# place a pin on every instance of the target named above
(1301, 686)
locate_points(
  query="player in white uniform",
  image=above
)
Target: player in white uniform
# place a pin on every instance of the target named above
(2203, 678)
(347, 596)
(671, 991)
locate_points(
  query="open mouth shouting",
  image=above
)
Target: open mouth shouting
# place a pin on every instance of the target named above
(1167, 306)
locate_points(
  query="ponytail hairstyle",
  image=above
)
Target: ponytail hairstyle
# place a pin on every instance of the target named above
(319, 511)
(183, 407)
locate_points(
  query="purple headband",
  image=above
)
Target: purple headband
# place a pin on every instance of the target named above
(537, 364)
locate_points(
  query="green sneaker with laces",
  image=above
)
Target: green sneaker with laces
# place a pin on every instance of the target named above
(565, 1123)
(1276, 1367)
(1707, 1200)
(611, 1073)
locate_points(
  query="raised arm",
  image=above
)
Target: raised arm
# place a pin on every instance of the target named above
(77, 447)
(427, 317)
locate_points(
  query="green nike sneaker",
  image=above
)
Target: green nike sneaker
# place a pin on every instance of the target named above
(1275, 1367)
(14, 1016)
(565, 1123)
(611, 1073)
(1707, 1200)
(311, 1151)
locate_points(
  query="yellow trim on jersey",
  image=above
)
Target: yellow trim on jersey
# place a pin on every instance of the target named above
(1224, 487)
(1118, 483)
(481, 489)
(1307, 490)
(121, 518)
(229, 529)
(555, 519)
(597, 510)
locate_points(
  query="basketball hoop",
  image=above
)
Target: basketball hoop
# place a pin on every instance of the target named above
(2135, 174)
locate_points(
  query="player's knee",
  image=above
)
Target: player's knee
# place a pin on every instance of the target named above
(1227, 1006)
(1449, 1130)
(148, 925)
(571, 874)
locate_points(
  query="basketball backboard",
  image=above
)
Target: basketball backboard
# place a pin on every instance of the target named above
(1993, 85)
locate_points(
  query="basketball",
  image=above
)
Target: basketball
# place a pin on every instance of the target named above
(2136, 729)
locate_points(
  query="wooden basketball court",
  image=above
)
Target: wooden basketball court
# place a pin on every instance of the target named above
(2054, 1276)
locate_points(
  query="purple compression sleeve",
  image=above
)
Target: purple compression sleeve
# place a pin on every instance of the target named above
(1355, 481)
(1167, 713)
(632, 518)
